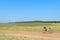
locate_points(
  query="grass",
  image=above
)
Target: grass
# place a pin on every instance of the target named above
(55, 27)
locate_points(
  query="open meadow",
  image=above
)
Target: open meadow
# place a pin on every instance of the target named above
(30, 32)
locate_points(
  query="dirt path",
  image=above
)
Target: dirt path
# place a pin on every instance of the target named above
(54, 36)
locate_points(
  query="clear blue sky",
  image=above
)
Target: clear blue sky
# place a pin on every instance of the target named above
(27, 10)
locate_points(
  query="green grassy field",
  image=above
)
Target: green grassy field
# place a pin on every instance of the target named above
(54, 26)
(35, 28)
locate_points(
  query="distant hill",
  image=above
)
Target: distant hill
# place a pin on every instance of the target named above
(28, 23)
(39, 22)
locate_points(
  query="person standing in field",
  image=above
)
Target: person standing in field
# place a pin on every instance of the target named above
(49, 30)
(45, 29)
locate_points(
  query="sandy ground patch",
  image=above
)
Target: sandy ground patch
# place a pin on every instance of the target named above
(54, 36)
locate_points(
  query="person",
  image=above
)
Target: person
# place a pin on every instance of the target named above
(49, 30)
(45, 29)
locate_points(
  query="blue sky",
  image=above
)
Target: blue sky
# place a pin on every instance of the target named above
(28, 10)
